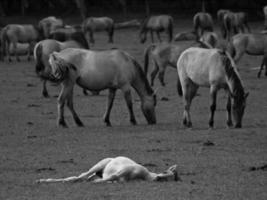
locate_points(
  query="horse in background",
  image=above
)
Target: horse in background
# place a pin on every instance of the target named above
(234, 23)
(251, 44)
(97, 24)
(202, 22)
(13, 34)
(42, 51)
(158, 24)
(213, 68)
(118, 169)
(98, 70)
(49, 24)
(220, 19)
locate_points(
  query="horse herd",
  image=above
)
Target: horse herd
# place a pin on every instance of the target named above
(62, 55)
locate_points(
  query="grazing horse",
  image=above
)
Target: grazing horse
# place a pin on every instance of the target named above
(15, 33)
(202, 21)
(252, 44)
(213, 68)
(98, 70)
(118, 169)
(96, 24)
(163, 55)
(265, 16)
(156, 24)
(42, 51)
(49, 24)
(234, 23)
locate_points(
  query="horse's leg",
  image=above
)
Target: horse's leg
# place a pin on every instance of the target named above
(152, 36)
(228, 109)
(91, 34)
(261, 67)
(190, 90)
(29, 50)
(111, 96)
(154, 73)
(110, 34)
(158, 35)
(44, 92)
(161, 76)
(128, 99)
(239, 53)
(61, 102)
(15, 51)
(7, 51)
(213, 96)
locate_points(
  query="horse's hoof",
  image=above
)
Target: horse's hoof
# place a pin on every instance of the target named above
(133, 122)
(79, 123)
(29, 58)
(62, 123)
(45, 95)
(229, 124)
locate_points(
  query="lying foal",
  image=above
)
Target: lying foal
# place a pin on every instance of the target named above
(118, 169)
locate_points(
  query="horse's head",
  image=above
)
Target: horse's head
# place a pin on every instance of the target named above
(148, 108)
(169, 175)
(239, 105)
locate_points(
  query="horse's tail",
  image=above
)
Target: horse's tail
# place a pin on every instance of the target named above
(37, 53)
(60, 67)
(146, 56)
(170, 29)
(179, 86)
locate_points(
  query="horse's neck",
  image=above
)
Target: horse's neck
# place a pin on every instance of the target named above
(234, 81)
(140, 84)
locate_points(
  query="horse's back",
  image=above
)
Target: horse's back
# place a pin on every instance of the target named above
(202, 66)
(159, 21)
(21, 33)
(98, 23)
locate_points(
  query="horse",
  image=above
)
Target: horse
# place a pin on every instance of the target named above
(49, 24)
(118, 169)
(70, 33)
(213, 68)
(98, 70)
(156, 24)
(234, 23)
(202, 22)
(265, 16)
(185, 36)
(15, 33)
(252, 44)
(95, 24)
(41, 52)
(220, 19)
(164, 55)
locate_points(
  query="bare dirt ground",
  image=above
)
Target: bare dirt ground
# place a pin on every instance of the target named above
(213, 164)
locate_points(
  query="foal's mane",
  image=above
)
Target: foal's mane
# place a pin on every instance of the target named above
(232, 75)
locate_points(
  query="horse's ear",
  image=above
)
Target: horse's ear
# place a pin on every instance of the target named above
(246, 95)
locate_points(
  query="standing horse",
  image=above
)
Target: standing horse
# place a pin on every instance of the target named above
(49, 24)
(234, 23)
(202, 21)
(95, 24)
(164, 55)
(252, 44)
(156, 24)
(118, 169)
(99, 70)
(198, 67)
(42, 50)
(220, 19)
(15, 33)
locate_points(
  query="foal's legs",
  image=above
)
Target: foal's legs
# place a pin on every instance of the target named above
(44, 92)
(189, 91)
(111, 96)
(128, 98)
(213, 96)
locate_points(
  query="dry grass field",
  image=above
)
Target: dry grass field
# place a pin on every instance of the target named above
(214, 164)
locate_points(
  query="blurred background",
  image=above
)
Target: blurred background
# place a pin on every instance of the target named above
(126, 8)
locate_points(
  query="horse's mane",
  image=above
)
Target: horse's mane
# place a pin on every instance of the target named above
(142, 75)
(232, 75)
